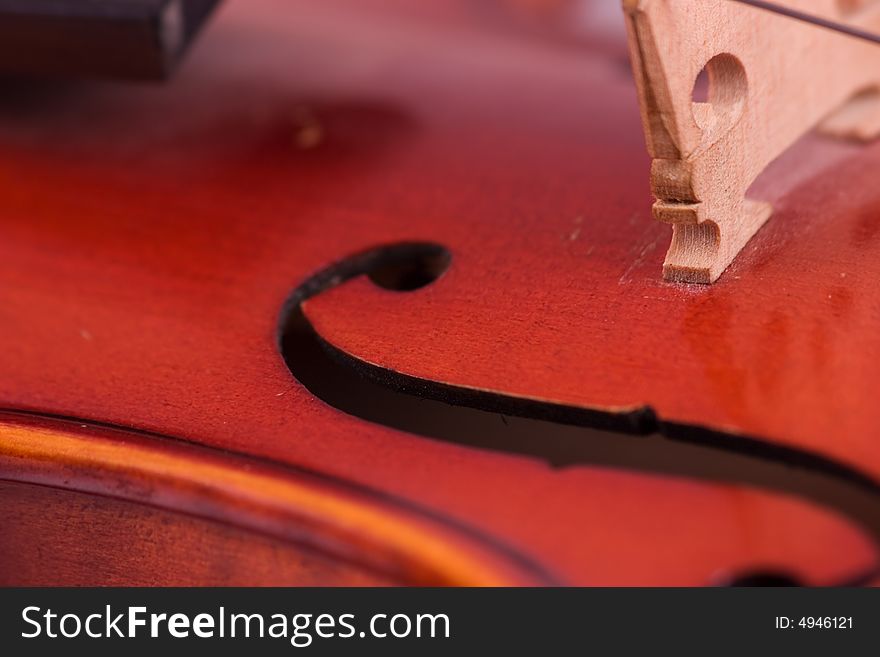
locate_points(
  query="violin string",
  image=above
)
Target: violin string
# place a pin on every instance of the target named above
(812, 20)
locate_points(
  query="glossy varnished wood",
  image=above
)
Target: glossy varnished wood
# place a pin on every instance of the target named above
(344, 533)
(126, 508)
(144, 265)
(554, 292)
(54, 537)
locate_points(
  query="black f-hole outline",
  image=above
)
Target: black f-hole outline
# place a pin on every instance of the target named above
(560, 435)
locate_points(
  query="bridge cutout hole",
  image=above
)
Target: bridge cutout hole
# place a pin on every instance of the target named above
(719, 94)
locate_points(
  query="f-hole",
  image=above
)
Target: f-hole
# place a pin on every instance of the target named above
(561, 436)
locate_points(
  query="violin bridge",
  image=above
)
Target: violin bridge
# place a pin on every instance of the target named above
(770, 80)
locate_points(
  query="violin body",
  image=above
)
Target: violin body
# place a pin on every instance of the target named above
(370, 293)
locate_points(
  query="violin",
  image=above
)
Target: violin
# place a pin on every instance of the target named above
(371, 292)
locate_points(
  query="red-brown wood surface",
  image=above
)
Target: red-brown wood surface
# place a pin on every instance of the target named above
(588, 529)
(152, 234)
(59, 538)
(214, 504)
(555, 294)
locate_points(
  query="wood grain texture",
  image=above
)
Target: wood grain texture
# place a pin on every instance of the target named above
(144, 265)
(120, 499)
(342, 532)
(57, 537)
(770, 79)
(554, 291)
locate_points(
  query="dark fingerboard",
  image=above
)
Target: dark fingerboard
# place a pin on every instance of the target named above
(127, 39)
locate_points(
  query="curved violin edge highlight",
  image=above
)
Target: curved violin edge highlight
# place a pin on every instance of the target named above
(481, 377)
(339, 521)
(557, 434)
